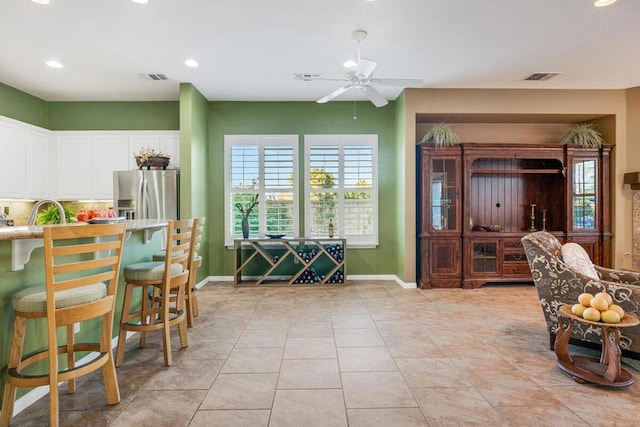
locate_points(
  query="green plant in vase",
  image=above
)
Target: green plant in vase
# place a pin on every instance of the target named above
(440, 135)
(583, 134)
(245, 211)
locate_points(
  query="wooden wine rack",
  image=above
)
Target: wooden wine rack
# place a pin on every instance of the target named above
(265, 258)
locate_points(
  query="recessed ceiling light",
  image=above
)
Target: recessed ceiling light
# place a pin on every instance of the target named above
(41, 1)
(191, 63)
(603, 3)
(140, 1)
(54, 64)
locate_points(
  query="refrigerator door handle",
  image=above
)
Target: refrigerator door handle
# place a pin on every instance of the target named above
(144, 197)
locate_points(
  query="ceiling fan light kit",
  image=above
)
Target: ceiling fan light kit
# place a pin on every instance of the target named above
(358, 75)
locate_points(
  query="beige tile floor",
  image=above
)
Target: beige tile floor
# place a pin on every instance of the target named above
(364, 354)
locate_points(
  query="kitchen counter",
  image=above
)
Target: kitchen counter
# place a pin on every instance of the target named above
(35, 231)
(25, 238)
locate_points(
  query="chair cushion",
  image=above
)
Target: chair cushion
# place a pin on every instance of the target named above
(578, 259)
(159, 256)
(33, 299)
(149, 271)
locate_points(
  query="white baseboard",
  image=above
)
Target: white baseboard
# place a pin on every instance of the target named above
(406, 285)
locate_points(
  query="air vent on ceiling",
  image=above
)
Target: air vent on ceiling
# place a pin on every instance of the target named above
(540, 76)
(153, 76)
(307, 77)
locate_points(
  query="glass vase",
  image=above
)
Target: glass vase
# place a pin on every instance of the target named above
(245, 227)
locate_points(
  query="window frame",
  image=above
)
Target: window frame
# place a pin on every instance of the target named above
(261, 141)
(342, 140)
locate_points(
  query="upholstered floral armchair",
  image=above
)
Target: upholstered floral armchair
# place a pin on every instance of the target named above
(557, 283)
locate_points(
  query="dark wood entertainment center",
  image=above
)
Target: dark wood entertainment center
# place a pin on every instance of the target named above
(476, 201)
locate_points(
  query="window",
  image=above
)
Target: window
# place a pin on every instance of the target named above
(341, 186)
(264, 167)
(584, 194)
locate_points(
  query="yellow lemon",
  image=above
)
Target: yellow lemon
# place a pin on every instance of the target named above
(599, 303)
(585, 298)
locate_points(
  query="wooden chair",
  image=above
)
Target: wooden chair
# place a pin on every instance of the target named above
(163, 277)
(195, 261)
(81, 279)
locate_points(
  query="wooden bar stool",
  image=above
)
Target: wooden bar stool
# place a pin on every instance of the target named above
(80, 284)
(162, 277)
(195, 261)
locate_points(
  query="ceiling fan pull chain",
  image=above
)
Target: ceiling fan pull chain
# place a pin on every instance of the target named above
(355, 116)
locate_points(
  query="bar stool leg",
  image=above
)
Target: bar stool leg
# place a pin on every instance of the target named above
(109, 369)
(71, 360)
(54, 394)
(144, 316)
(166, 333)
(182, 327)
(15, 356)
(122, 336)
(190, 308)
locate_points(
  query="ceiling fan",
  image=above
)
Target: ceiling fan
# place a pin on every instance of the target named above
(359, 76)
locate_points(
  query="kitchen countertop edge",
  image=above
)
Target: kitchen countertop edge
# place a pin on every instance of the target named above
(35, 231)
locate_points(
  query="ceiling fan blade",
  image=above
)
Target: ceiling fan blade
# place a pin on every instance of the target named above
(366, 67)
(307, 77)
(397, 82)
(374, 96)
(333, 94)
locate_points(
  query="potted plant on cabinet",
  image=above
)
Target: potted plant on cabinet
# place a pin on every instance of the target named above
(440, 135)
(583, 134)
(148, 158)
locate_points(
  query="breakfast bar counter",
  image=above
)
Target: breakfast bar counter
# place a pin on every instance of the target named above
(35, 231)
(24, 239)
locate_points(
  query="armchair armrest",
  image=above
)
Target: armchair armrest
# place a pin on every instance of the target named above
(628, 277)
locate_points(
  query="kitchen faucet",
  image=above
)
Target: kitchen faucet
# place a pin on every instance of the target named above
(34, 211)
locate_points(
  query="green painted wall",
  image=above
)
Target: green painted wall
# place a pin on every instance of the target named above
(21, 106)
(194, 142)
(162, 115)
(309, 118)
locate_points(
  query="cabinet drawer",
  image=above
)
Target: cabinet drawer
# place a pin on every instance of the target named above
(512, 244)
(516, 268)
(518, 257)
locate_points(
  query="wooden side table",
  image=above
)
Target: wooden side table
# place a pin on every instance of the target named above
(606, 371)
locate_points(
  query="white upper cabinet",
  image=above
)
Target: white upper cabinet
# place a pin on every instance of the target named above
(167, 142)
(110, 153)
(13, 163)
(170, 144)
(36, 163)
(39, 165)
(74, 163)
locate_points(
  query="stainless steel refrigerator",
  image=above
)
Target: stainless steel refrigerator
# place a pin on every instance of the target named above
(146, 194)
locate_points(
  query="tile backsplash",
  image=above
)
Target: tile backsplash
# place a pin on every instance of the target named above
(19, 210)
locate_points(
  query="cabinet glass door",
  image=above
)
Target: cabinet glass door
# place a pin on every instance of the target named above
(584, 194)
(443, 194)
(485, 257)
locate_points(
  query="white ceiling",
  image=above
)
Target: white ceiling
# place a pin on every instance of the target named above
(250, 50)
